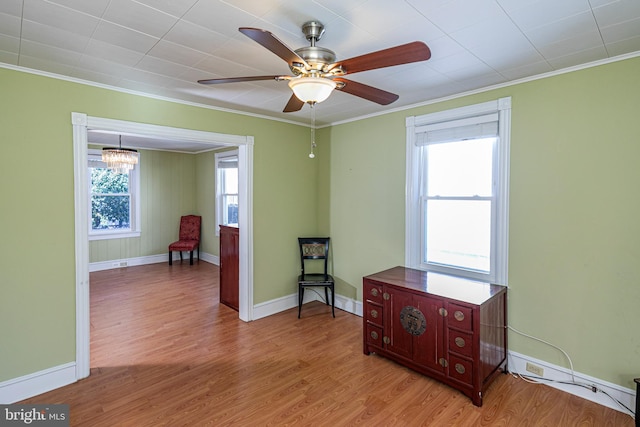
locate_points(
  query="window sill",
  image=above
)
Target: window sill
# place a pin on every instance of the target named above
(113, 235)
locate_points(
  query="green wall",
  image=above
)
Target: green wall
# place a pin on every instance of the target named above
(573, 208)
(37, 260)
(171, 185)
(574, 212)
(205, 191)
(168, 189)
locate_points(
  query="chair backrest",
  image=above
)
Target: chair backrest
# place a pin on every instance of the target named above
(190, 227)
(314, 248)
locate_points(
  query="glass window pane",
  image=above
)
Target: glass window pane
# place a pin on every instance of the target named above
(461, 168)
(230, 180)
(106, 181)
(458, 233)
(229, 210)
(110, 212)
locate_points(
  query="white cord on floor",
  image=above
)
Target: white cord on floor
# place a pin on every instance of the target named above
(573, 381)
(573, 378)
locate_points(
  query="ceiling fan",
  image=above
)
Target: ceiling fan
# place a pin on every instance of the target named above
(316, 72)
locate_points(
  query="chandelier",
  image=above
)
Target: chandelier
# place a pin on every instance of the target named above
(120, 160)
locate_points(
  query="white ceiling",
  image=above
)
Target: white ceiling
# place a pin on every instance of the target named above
(148, 142)
(161, 47)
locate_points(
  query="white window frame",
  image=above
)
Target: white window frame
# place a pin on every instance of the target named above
(134, 189)
(219, 204)
(413, 209)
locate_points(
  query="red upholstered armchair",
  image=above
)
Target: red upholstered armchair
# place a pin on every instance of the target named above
(189, 237)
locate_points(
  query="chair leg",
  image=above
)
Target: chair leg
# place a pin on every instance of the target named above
(300, 298)
(191, 258)
(180, 257)
(333, 301)
(326, 295)
(170, 257)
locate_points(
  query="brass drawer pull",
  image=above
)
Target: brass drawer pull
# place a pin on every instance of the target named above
(460, 342)
(374, 292)
(386, 296)
(374, 335)
(443, 362)
(443, 312)
(374, 314)
(460, 369)
(386, 340)
(459, 316)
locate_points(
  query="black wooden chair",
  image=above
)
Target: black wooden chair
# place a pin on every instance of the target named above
(315, 248)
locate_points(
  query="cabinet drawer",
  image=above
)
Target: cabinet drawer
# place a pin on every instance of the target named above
(373, 313)
(460, 369)
(373, 292)
(460, 317)
(460, 342)
(374, 335)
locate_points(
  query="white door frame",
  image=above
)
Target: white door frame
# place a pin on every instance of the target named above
(81, 122)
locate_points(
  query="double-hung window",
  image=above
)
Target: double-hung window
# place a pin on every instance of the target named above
(114, 200)
(457, 191)
(226, 188)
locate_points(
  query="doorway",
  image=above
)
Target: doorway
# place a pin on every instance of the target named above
(81, 124)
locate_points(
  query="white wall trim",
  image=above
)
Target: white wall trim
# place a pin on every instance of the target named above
(245, 223)
(278, 305)
(144, 260)
(30, 385)
(80, 123)
(517, 364)
(210, 258)
(274, 306)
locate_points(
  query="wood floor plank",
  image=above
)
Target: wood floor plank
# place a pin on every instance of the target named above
(165, 352)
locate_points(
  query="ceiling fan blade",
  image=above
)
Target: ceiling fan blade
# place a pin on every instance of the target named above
(370, 93)
(403, 54)
(239, 79)
(293, 105)
(271, 42)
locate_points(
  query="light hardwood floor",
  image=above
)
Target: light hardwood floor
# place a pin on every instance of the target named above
(164, 352)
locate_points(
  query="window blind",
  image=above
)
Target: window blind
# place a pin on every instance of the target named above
(476, 127)
(228, 163)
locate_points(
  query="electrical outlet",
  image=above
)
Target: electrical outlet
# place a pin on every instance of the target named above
(535, 369)
(123, 263)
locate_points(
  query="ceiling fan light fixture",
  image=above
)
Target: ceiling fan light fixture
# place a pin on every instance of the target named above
(312, 89)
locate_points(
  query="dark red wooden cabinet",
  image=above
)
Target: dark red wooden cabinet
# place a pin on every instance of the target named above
(229, 266)
(451, 329)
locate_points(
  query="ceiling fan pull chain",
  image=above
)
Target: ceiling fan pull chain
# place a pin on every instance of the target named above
(313, 129)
